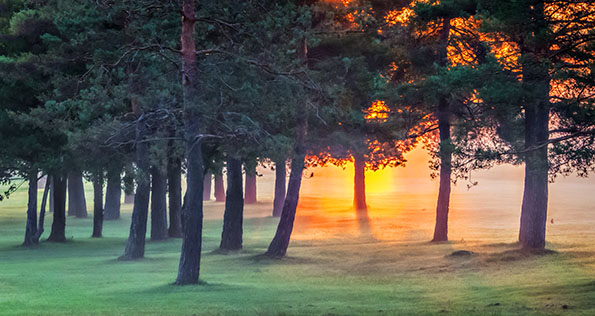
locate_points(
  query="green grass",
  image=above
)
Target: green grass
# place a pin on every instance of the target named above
(339, 275)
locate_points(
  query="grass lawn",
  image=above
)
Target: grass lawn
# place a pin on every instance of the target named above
(336, 265)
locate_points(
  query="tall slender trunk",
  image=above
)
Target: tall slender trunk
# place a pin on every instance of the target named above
(128, 184)
(219, 188)
(192, 213)
(280, 243)
(445, 151)
(77, 204)
(31, 226)
(51, 207)
(231, 237)
(158, 204)
(359, 183)
(97, 205)
(536, 80)
(58, 233)
(445, 154)
(113, 195)
(250, 189)
(135, 247)
(174, 182)
(44, 199)
(207, 185)
(280, 178)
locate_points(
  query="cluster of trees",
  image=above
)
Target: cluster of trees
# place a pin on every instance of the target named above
(135, 94)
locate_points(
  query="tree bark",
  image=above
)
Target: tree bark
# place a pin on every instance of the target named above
(135, 247)
(445, 154)
(231, 237)
(31, 226)
(97, 206)
(359, 183)
(280, 178)
(40, 228)
(280, 243)
(219, 188)
(58, 233)
(113, 195)
(250, 189)
(51, 207)
(445, 151)
(128, 184)
(536, 80)
(192, 213)
(158, 204)
(77, 204)
(174, 182)
(208, 183)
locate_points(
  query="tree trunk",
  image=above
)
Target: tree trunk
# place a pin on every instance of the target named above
(219, 189)
(158, 204)
(192, 213)
(231, 237)
(77, 204)
(58, 233)
(208, 183)
(97, 206)
(536, 80)
(359, 184)
(280, 178)
(113, 195)
(40, 228)
(445, 151)
(250, 190)
(280, 243)
(128, 198)
(51, 208)
(445, 154)
(128, 184)
(174, 182)
(135, 247)
(31, 226)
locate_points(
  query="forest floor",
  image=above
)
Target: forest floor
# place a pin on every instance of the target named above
(337, 264)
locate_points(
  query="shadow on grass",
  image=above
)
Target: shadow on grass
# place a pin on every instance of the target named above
(519, 255)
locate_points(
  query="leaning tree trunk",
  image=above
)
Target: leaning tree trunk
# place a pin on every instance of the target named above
(97, 205)
(44, 199)
(279, 244)
(135, 247)
(219, 189)
(158, 204)
(77, 204)
(31, 226)
(113, 195)
(58, 233)
(536, 79)
(359, 184)
(250, 190)
(280, 178)
(231, 237)
(208, 183)
(445, 150)
(174, 182)
(192, 213)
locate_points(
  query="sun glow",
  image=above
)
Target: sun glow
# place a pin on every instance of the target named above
(378, 111)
